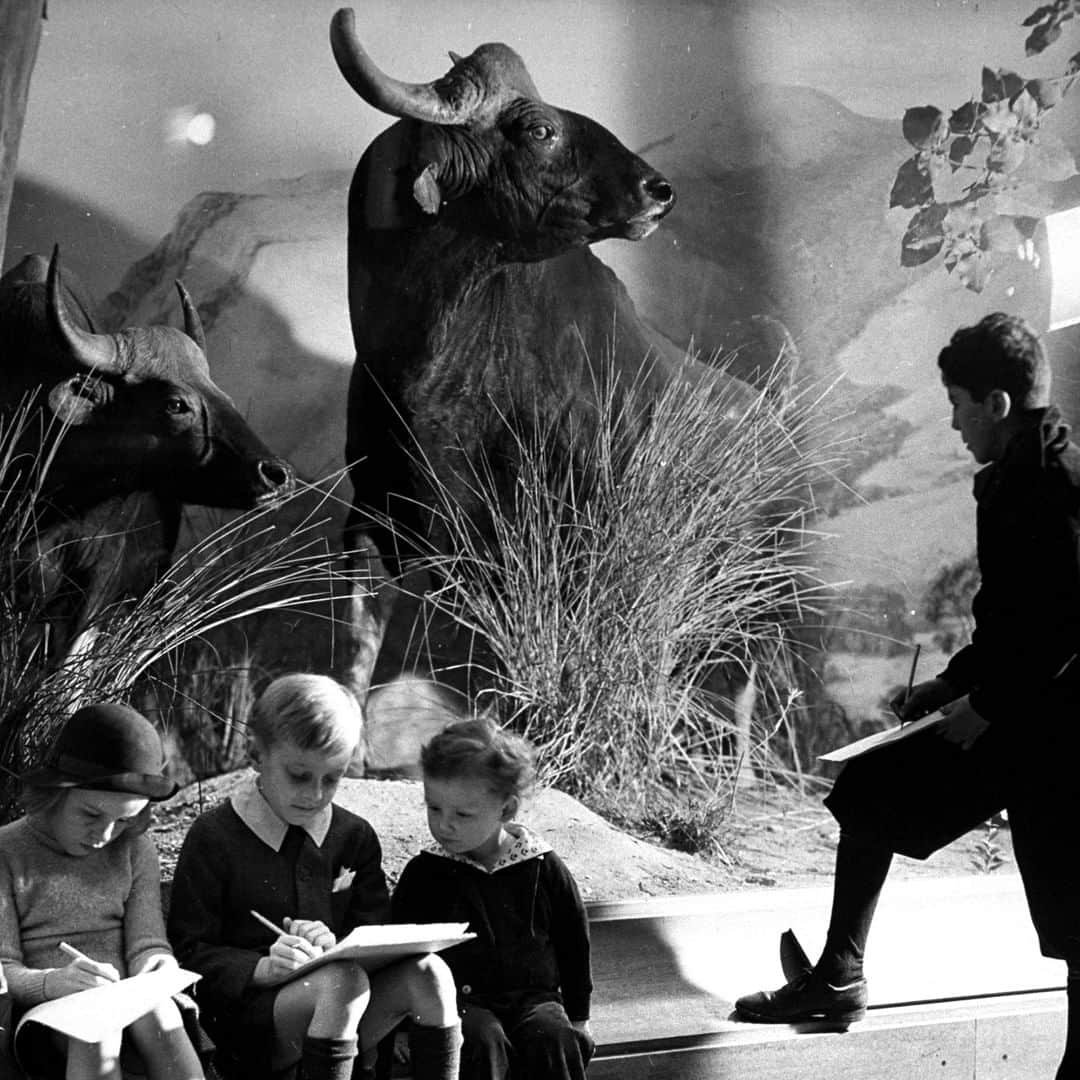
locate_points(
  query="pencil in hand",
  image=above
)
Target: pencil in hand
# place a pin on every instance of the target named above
(103, 971)
(305, 945)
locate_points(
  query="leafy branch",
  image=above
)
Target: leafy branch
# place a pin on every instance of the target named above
(975, 179)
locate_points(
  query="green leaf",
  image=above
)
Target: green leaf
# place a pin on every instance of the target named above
(1041, 38)
(924, 236)
(949, 184)
(1038, 15)
(911, 187)
(1046, 92)
(963, 120)
(1026, 109)
(1007, 155)
(999, 118)
(924, 127)
(1000, 233)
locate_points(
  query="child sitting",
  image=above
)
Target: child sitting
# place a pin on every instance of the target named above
(524, 983)
(281, 847)
(80, 869)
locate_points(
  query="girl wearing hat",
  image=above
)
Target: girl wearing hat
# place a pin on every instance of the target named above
(80, 869)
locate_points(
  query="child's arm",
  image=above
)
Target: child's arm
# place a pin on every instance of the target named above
(570, 936)
(146, 946)
(30, 986)
(199, 915)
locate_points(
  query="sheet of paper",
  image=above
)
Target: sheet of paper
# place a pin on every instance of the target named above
(879, 739)
(87, 1014)
(376, 946)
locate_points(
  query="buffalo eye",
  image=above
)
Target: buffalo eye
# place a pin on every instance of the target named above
(176, 406)
(542, 132)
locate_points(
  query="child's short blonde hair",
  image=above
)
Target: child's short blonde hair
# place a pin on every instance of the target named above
(311, 711)
(478, 749)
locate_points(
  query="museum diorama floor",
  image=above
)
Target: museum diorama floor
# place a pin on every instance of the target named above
(957, 985)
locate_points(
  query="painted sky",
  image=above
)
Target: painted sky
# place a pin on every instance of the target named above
(113, 75)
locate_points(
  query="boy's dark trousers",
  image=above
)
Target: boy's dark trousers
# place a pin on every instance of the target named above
(918, 795)
(530, 1041)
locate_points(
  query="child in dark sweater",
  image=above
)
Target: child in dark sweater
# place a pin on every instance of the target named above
(524, 983)
(282, 848)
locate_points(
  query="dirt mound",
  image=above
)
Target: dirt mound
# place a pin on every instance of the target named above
(774, 837)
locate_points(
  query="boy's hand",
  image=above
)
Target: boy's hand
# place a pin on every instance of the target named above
(924, 698)
(583, 1027)
(156, 963)
(77, 976)
(289, 952)
(962, 724)
(313, 932)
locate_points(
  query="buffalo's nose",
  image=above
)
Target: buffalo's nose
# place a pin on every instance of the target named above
(659, 190)
(275, 473)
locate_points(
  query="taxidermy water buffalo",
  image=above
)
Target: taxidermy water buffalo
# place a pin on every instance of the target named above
(473, 294)
(136, 428)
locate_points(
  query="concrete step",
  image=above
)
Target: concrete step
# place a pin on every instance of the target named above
(957, 985)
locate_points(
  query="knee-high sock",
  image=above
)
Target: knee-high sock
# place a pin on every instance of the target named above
(326, 1059)
(861, 869)
(435, 1052)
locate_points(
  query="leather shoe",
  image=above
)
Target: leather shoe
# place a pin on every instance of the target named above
(807, 997)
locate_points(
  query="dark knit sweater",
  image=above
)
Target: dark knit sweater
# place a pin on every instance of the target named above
(225, 871)
(532, 933)
(1027, 610)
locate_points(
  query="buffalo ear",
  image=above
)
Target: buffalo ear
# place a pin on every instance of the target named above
(426, 191)
(74, 401)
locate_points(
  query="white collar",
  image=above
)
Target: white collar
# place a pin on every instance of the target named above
(259, 816)
(524, 845)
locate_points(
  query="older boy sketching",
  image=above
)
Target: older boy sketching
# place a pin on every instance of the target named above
(1010, 699)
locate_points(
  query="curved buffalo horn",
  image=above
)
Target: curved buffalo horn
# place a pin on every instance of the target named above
(193, 326)
(454, 57)
(418, 101)
(88, 349)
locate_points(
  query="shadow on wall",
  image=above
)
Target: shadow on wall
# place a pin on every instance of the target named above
(96, 246)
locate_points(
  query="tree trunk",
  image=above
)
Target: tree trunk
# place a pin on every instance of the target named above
(20, 32)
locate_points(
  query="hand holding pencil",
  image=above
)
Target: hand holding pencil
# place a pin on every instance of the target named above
(298, 942)
(81, 973)
(920, 699)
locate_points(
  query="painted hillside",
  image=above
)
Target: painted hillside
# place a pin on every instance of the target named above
(783, 209)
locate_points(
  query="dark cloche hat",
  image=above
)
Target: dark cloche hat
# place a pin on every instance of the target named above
(107, 747)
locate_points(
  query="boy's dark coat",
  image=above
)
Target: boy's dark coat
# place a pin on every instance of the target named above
(921, 794)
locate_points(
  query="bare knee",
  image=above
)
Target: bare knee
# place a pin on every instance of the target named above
(99, 1059)
(432, 994)
(340, 982)
(329, 1003)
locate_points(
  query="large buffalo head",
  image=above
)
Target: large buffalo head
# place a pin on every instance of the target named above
(480, 148)
(138, 408)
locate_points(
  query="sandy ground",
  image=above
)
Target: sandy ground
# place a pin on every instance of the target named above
(773, 837)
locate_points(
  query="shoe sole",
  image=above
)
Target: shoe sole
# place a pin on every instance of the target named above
(851, 1017)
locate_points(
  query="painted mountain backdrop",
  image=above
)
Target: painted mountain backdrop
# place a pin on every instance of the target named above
(783, 209)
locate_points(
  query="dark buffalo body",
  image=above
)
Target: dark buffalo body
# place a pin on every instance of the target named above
(136, 428)
(473, 294)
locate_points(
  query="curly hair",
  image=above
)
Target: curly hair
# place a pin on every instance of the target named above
(479, 749)
(1000, 352)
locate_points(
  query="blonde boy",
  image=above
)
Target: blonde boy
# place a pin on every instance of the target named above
(280, 846)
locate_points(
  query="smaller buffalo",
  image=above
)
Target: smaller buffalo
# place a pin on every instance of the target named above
(133, 427)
